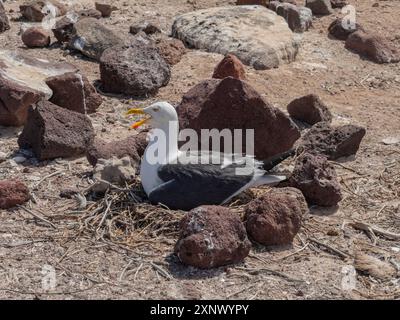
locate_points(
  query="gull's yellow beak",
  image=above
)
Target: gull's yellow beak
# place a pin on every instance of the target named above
(139, 123)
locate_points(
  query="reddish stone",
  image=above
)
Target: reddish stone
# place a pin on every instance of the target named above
(36, 37)
(69, 93)
(309, 109)
(251, 2)
(316, 178)
(373, 47)
(275, 217)
(332, 142)
(171, 50)
(105, 9)
(230, 66)
(53, 132)
(233, 104)
(64, 29)
(212, 236)
(133, 146)
(12, 193)
(34, 10)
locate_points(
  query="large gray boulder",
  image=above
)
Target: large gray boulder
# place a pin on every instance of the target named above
(255, 34)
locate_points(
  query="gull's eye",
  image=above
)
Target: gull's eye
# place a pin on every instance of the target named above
(156, 109)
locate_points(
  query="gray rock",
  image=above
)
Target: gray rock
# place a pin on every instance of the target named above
(298, 18)
(253, 33)
(137, 70)
(112, 171)
(91, 38)
(320, 7)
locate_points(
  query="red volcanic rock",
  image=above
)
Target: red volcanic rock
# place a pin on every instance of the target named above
(316, 178)
(233, 104)
(36, 37)
(309, 109)
(171, 50)
(373, 47)
(36, 10)
(275, 217)
(132, 146)
(12, 193)
(212, 236)
(105, 9)
(53, 132)
(333, 142)
(230, 66)
(73, 91)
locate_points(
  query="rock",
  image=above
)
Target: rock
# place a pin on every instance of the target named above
(231, 103)
(90, 13)
(309, 109)
(339, 3)
(73, 91)
(105, 8)
(252, 2)
(252, 33)
(4, 23)
(212, 236)
(339, 30)
(22, 83)
(144, 26)
(36, 37)
(19, 159)
(36, 10)
(170, 49)
(332, 142)
(298, 18)
(317, 180)
(3, 156)
(275, 217)
(230, 66)
(63, 30)
(92, 38)
(132, 146)
(320, 7)
(54, 132)
(115, 171)
(137, 70)
(373, 47)
(13, 193)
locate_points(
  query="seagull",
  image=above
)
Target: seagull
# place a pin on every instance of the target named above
(182, 180)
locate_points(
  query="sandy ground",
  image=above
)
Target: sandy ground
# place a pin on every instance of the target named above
(138, 263)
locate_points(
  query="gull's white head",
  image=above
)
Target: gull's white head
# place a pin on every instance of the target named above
(160, 114)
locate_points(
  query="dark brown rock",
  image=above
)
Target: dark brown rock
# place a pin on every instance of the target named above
(298, 18)
(36, 37)
(15, 101)
(373, 47)
(230, 66)
(320, 7)
(170, 49)
(132, 146)
(144, 26)
(105, 8)
(338, 31)
(53, 132)
(137, 70)
(212, 236)
(250, 2)
(309, 109)
(332, 142)
(275, 217)
(339, 3)
(316, 178)
(73, 91)
(35, 10)
(89, 13)
(233, 104)
(64, 29)
(4, 23)
(13, 193)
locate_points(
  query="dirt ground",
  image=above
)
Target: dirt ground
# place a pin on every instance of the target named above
(135, 261)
